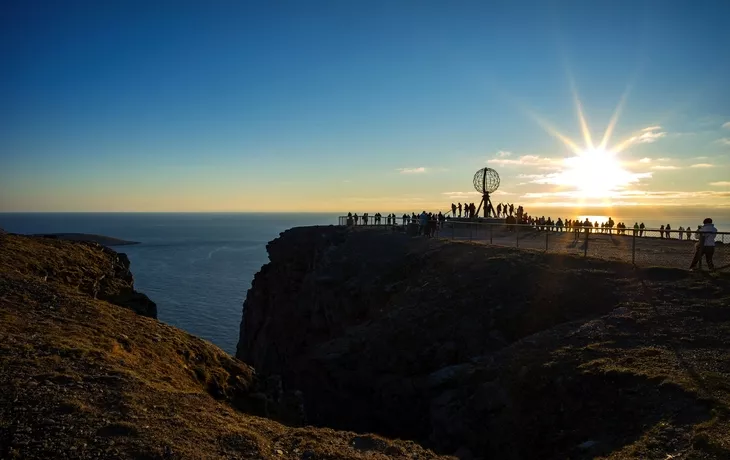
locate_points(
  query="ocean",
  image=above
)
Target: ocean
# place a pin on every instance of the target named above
(197, 267)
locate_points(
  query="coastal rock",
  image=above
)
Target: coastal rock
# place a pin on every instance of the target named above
(494, 352)
(86, 267)
(84, 378)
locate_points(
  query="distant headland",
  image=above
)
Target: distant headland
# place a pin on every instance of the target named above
(101, 239)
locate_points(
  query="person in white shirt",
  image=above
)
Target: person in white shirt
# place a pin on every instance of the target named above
(705, 244)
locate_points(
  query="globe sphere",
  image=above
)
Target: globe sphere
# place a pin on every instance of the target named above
(486, 180)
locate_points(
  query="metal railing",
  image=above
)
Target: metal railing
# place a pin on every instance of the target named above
(643, 247)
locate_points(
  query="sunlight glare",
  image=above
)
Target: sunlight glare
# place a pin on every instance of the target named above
(595, 173)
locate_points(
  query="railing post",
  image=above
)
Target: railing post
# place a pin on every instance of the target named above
(470, 231)
(518, 236)
(585, 246)
(633, 249)
(453, 229)
(490, 233)
(546, 240)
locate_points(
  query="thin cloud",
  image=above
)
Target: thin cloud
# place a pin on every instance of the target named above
(702, 165)
(726, 125)
(503, 154)
(645, 160)
(722, 183)
(642, 194)
(648, 135)
(664, 167)
(723, 141)
(528, 160)
(461, 195)
(419, 170)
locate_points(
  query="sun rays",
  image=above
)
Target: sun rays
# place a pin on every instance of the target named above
(595, 171)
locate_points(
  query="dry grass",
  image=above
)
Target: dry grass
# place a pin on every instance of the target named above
(84, 378)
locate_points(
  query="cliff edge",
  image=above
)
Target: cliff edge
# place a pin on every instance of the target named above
(493, 352)
(87, 372)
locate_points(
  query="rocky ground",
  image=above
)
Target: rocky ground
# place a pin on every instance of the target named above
(648, 251)
(87, 372)
(494, 352)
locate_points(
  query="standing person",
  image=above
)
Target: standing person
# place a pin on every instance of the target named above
(499, 210)
(689, 233)
(641, 229)
(423, 221)
(636, 228)
(459, 207)
(668, 231)
(661, 231)
(681, 232)
(453, 210)
(705, 244)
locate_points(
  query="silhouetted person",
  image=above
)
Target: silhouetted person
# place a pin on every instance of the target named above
(689, 233)
(459, 208)
(453, 210)
(641, 229)
(423, 222)
(705, 245)
(667, 231)
(661, 231)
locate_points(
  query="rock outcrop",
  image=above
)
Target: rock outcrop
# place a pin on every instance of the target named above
(492, 352)
(86, 372)
(88, 267)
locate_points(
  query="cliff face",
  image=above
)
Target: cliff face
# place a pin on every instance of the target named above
(492, 352)
(83, 378)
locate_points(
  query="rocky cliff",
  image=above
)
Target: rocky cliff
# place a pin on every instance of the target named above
(493, 352)
(87, 372)
(89, 267)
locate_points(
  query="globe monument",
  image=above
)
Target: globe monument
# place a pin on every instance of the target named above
(486, 181)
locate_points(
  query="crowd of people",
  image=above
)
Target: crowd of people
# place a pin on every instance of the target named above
(429, 223)
(469, 210)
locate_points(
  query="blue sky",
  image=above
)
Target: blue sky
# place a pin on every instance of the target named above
(370, 106)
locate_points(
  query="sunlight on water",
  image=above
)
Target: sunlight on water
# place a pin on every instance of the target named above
(599, 219)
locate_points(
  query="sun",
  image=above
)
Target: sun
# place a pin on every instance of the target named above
(595, 171)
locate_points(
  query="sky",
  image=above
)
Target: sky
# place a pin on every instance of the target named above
(363, 106)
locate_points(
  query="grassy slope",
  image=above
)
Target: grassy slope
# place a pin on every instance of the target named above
(83, 378)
